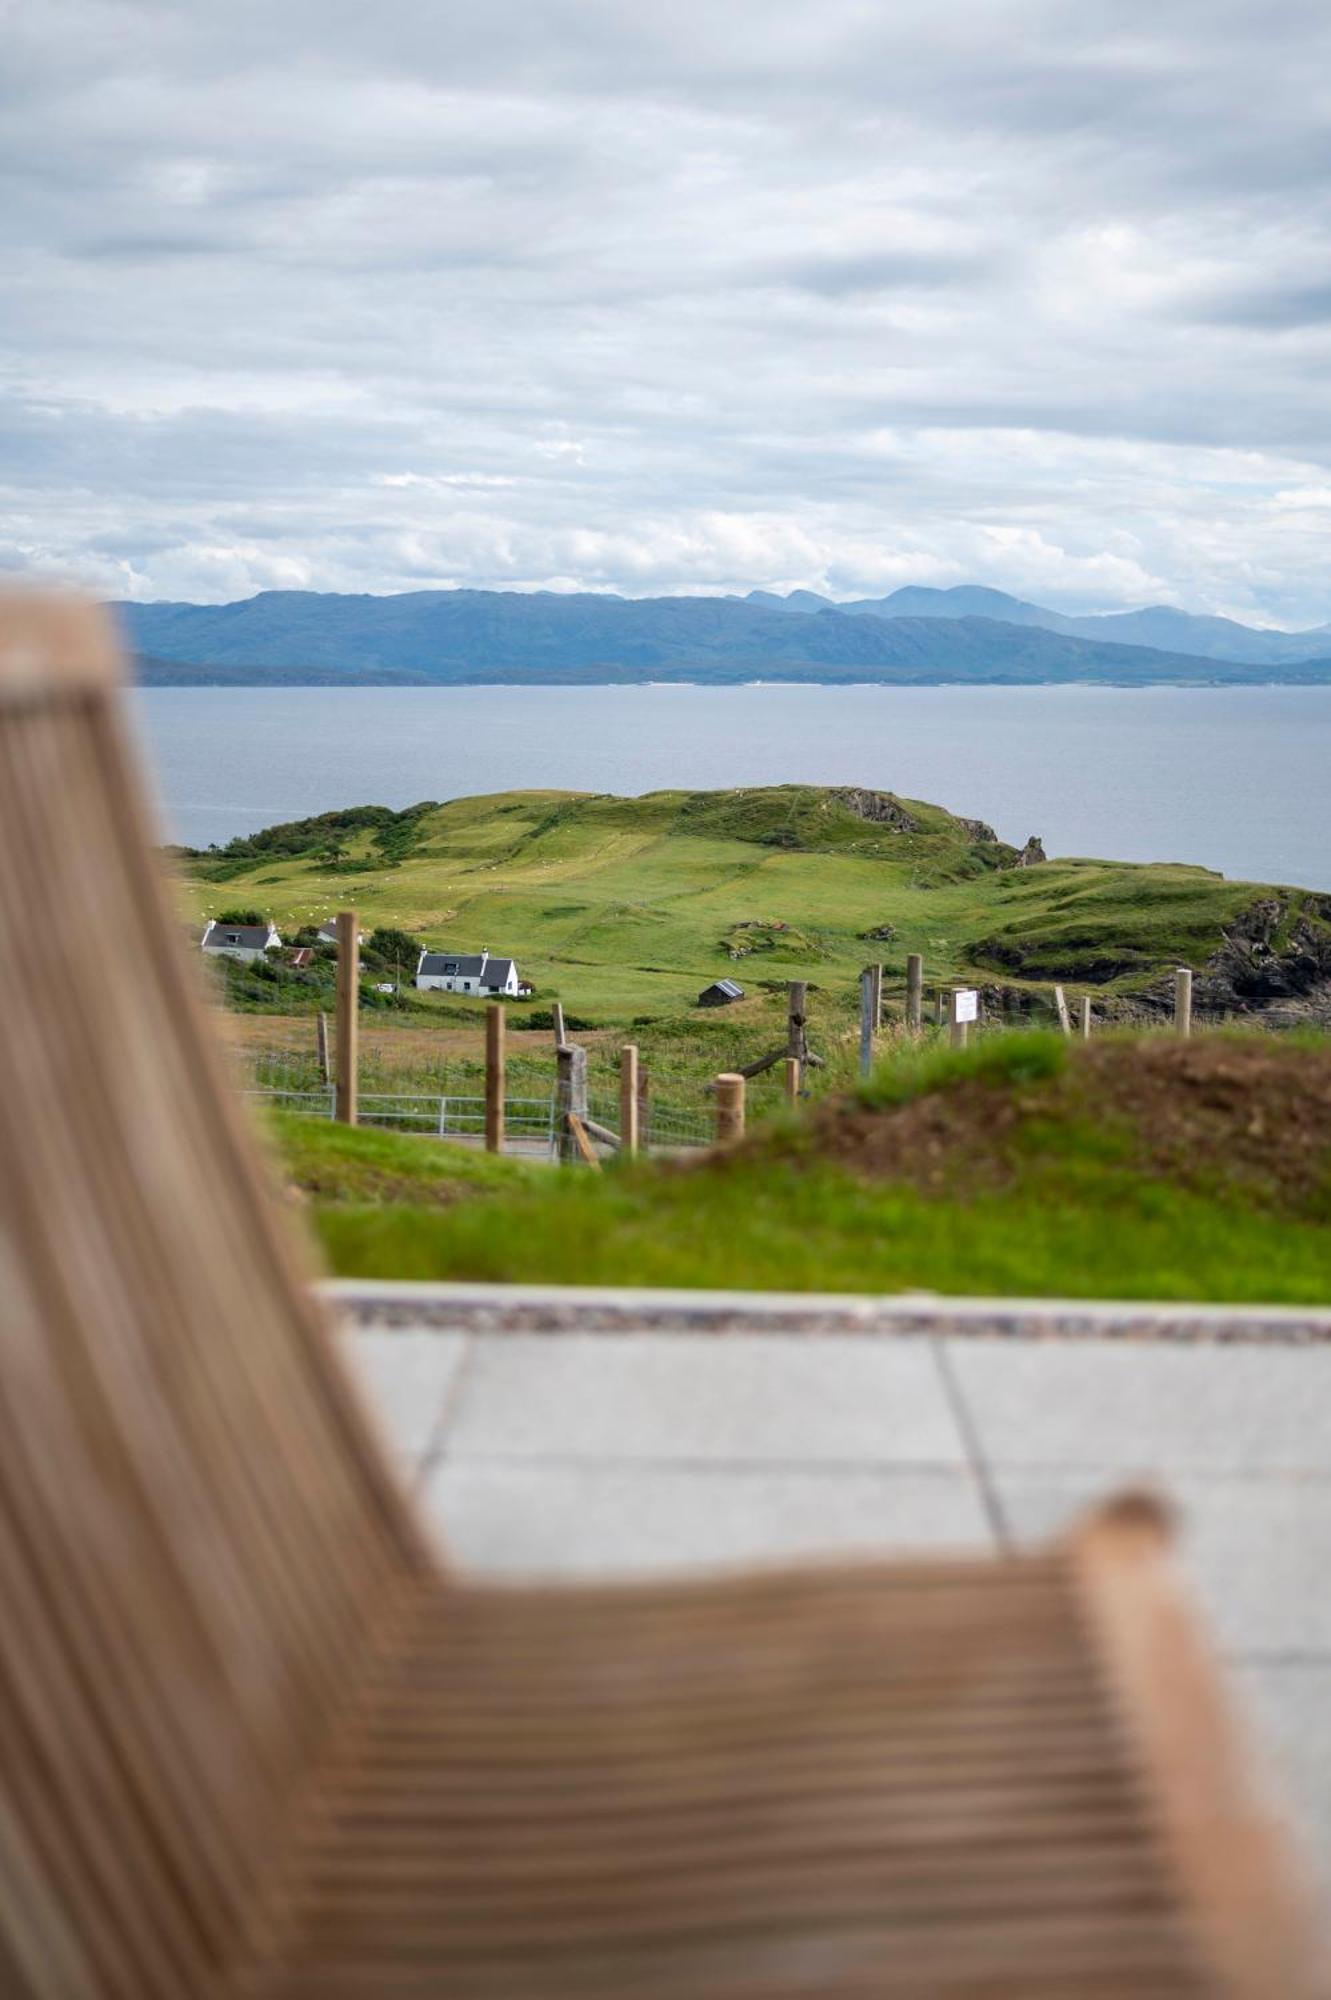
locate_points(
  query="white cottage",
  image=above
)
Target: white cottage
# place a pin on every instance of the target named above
(243, 941)
(460, 972)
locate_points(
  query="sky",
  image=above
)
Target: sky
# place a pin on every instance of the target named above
(587, 294)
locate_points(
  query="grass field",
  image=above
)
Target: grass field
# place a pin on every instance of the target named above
(1025, 1167)
(626, 908)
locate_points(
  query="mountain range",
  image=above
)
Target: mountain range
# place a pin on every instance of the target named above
(1159, 626)
(916, 635)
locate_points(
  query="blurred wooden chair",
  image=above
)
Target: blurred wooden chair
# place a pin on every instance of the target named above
(254, 1741)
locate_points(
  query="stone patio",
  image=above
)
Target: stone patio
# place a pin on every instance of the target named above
(660, 1442)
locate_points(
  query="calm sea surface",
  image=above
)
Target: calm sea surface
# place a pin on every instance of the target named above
(1236, 779)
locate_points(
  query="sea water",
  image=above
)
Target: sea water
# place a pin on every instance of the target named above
(1236, 779)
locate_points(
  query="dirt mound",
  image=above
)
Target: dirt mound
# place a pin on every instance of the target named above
(1251, 1114)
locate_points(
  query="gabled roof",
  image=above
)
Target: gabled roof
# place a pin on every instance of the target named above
(730, 987)
(246, 937)
(464, 965)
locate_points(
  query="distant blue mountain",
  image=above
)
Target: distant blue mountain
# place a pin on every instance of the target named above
(462, 636)
(1159, 626)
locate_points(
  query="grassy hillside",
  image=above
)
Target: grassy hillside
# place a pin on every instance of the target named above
(1131, 1168)
(625, 908)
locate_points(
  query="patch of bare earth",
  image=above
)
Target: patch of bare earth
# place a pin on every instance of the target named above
(1251, 1114)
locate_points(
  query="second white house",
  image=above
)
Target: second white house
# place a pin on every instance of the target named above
(462, 972)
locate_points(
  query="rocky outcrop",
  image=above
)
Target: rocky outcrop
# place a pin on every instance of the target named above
(1274, 958)
(879, 808)
(1009, 857)
(1278, 949)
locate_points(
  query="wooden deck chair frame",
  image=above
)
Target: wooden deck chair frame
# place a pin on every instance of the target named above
(256, 1741)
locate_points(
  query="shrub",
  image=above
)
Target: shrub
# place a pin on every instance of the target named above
(387, 946)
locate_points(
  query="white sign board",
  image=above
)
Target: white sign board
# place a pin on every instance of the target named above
(965, 1004)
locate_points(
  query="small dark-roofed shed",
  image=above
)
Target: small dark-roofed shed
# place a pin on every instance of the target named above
(721, 993)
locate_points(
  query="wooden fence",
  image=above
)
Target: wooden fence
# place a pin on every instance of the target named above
(578, 1127)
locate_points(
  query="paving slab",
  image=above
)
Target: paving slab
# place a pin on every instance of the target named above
(408, 1378)
(1146, 1410)
(768, 1398)
(587, 1520)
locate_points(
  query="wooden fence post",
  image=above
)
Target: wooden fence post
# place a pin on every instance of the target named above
(348, 1021)
(866, 1020)
(628, 1099)
(729, 1108)
(914, 992)
(1061, 1004)
(571, 1098)
(494, 1078)
(321, 1047)
(557, 1010)
(792, 1081)
(1183, 1001)
(1086, 1017)
(876, 997)
(797, 1002)
(644, 1109)
(959, 1031)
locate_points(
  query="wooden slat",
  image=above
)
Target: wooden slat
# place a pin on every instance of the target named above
(196, 1529)
(1226, 1845)
(659, 1800)
(54, 644)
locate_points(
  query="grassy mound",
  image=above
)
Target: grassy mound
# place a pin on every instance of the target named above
(1233, 1115)
(1133, 1168)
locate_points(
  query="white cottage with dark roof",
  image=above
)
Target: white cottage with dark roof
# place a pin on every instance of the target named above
(243, 941)
(468, 972)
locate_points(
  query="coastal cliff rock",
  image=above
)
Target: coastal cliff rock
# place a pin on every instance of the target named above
(880, 808)
(1276, 951)
(1274, 959)
(1271, 958)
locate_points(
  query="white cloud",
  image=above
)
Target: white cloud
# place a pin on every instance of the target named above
(697, 298)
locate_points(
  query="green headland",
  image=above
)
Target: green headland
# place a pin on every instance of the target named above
(624, 908)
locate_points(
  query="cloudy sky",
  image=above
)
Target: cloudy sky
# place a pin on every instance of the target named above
(697, 296)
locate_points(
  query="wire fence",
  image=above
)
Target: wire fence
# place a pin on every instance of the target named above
(448, 1116)
(408, 1088)
(670, 1126)
(531, 1123)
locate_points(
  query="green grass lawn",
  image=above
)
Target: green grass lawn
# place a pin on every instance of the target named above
(342, 1164)
(1067, 1203)
(1106, 1237)
(624, 908)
